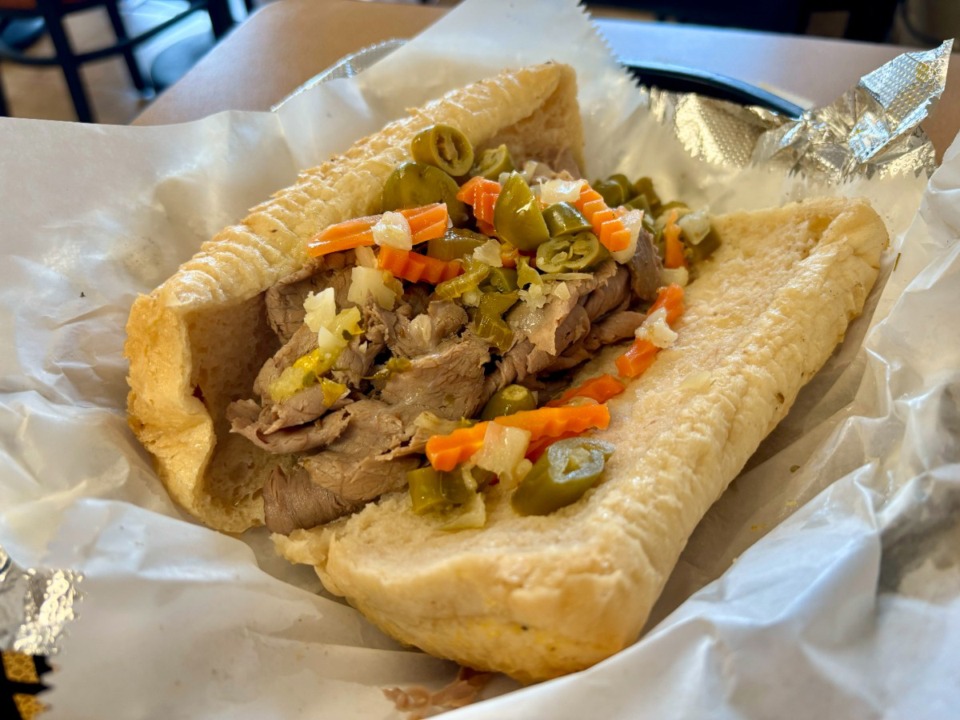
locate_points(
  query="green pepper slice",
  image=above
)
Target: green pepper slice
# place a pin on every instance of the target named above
(563, 218)
(644, 186)
(509, 400)
(474, 274)
(517, 217)
(612, 192)
(705, 248)
(571, 253)
(415, 184)
(489, 323)
(493, 162)
(561, 476)
(502, 280)
(443, 147)
(434, 490)
(455, 243)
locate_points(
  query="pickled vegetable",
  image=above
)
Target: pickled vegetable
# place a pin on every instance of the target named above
(415, 184)
(455, 243)
(501, 279)
(507, 401)
(443, 147)
(433, 490)
(613, 193)
(517, 217)
(571, 253)
(561, 476)
(474, 274)
(489, 323)
(493, 162)
(563, 218)
(705, 248)
(644, 187)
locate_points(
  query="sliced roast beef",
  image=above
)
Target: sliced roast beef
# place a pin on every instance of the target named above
(617, 327)
(291, 501)
(303, 341)
(644, 268)
(246, 419)
(612, 293)
(449, 382)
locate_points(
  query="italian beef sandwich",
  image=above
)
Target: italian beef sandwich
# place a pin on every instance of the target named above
(486, 398)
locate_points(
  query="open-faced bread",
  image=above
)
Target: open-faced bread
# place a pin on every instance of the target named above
(196, 343)
(537, 597)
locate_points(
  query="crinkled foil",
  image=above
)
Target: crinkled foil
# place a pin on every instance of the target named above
(871, 130)
(35, 606)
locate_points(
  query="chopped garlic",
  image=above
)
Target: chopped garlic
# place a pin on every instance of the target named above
(554, 191)
(562, 291)
(656, 330)
(535, 296)
(471, 298)
(393, 229)
(675, 276)
(489, 253)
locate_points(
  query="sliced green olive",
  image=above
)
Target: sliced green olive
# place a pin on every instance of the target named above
(517, 217)
(561, 476)
(563, 218)
(612, 193)
(432, 490)
(415, 184)
(509, 400)
(493, 162)
(571, 253)
(455, 243)
(443, 147)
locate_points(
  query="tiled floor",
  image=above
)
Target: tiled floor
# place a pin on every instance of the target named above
(41, 93)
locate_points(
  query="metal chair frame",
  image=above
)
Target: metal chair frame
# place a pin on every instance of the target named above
(54, 12)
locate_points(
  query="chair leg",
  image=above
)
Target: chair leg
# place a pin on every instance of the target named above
(4, 110)
(121, 32)
(69, 65)
(221, 18)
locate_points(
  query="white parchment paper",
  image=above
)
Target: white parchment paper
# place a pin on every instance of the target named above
(825, 583)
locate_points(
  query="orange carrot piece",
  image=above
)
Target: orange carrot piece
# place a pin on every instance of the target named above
(672, 244)
(642, 353)
(481, 194)
(426, 223)
(607, 226)
(408, 265)
(445, 452)
(600, 388)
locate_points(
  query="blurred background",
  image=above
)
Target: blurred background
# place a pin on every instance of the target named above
(42, 92)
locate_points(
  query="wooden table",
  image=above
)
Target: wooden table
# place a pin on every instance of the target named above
(284, 44)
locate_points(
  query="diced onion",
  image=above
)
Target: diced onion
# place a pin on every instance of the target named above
(321, 309)
(489, 253)
(502, 453)
(695, 226)
(675, 276)
(371, 282)
(393, 229)
(366, 257)
(632, 221)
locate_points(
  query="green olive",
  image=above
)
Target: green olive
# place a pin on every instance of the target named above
(563, 218)
(434, 490)
(493, 162)
(507, 401)
(517, 217)
(443, 147)
(561, 476)
(455, 243)
(612, 193)
(644, 186)
(414, 184)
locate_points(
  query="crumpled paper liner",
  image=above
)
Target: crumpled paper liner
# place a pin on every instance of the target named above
(179, 621)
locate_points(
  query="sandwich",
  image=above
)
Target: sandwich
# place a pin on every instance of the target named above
(487, 399)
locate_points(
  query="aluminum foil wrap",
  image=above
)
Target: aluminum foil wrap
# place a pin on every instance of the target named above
(871, 130)
(35, 606)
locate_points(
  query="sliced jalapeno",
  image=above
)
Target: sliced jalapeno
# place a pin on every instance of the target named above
(474, 274)
(570, 253)
(493, 162)
(443, 147)
(503, 280)
(455, 243)
(517, 217)
(415, 184)
(509, 400)
(705, 248)
(563, 218)
(489, 323)
(561, 476)
(612, 193)
(644, 186)
(434, 490)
